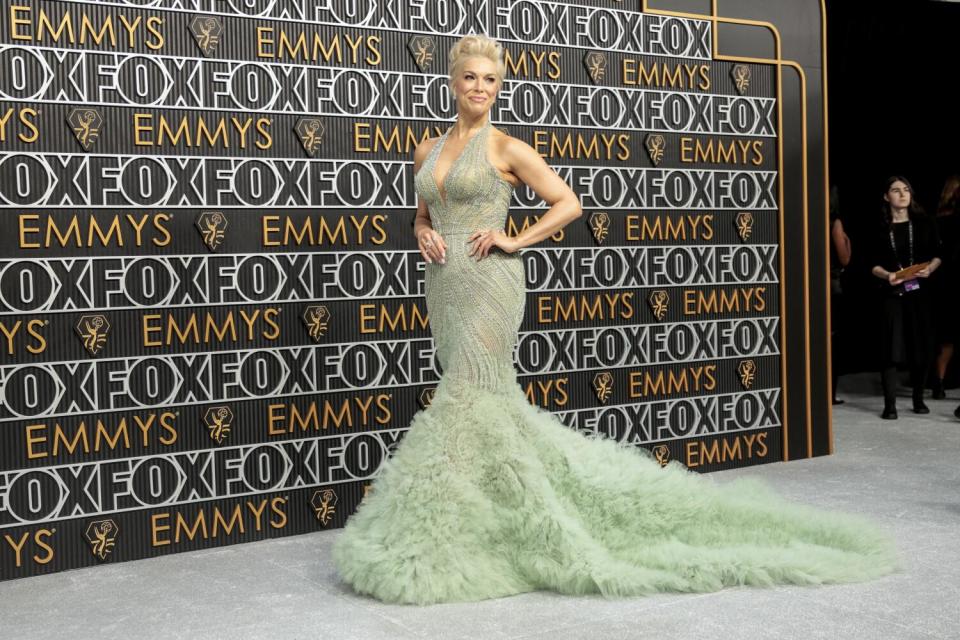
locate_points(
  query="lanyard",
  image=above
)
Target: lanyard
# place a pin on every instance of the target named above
(893, 244)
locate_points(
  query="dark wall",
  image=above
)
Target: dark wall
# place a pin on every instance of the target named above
(890, 75)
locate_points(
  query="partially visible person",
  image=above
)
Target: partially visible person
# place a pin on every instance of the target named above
(904, 237)
(839, 260)
(946, 301)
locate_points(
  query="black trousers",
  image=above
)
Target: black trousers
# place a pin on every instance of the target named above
(918, 380)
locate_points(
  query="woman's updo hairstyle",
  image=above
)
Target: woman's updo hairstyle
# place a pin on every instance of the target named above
(476, 45)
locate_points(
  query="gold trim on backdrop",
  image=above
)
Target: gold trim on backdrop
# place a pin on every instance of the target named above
(779, 61)
(826, 216)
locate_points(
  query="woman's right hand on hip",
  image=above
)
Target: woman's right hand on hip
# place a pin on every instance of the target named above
(432, 246)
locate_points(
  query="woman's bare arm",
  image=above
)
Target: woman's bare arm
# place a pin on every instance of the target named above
(525, 163)
(841, 242)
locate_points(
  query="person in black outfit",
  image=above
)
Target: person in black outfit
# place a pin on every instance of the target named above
(839, 260)
(947, 281)
(905, 237)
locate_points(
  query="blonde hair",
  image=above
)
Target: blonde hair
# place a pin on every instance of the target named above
(480, 46)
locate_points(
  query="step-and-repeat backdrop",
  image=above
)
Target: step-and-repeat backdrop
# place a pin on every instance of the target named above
(211, 302)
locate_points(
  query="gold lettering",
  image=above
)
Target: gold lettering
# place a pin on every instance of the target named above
(291, 418)
(689, 379)
(275, 507)
(17, 546)
(666, 75)
(378, 318)
(156, 528)
(729, 449)
(640, 228)
(548, 393)
(585, 307)
(347, 231)
(575, 145)
(695, 150)
(41, 537)
(702, 302)
(32, 440)
(16, 22)
(235, 521)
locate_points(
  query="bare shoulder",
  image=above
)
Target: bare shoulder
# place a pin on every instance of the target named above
(508, 154)
(512, 150)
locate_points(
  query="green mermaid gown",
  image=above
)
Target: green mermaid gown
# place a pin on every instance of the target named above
(488, 495)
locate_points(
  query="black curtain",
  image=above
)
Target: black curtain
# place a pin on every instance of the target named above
(892, 68)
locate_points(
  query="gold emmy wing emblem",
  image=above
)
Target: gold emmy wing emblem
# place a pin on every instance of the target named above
(426, 397)
(596, 64)
(87, 124)
(207, 31)
(310, 132)
(93, 332)
(659, 301)
(748, 373)
(744, 222)
(741, 78)
(656, 144)
(218, 421)
(324, 504)
(317, 318)
(102, 536)
(600, 225)
(212, 226)
(603, 385)
(662, 453)
(422, 48)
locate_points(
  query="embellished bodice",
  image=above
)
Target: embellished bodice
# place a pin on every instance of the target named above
(474, 194)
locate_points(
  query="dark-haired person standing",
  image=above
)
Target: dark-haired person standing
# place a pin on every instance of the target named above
(905, 237)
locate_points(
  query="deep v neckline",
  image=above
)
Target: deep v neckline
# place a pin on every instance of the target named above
(441, 189)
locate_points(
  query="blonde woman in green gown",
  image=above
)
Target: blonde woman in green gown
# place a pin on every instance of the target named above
(488, 495)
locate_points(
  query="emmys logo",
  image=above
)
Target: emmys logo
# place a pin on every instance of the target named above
(426, 397)
(659, 301)
(86, 124)
(600, 226)
(310, 132)
(324, 504)
(422, 48)
(206, 31)
(748, 373)
(93, 332)
(596, 64)
(603, 385)
(212, 226)
(218, 421)
(317, 319)
(741, 78)
(744, 222)
(662, 453)
(102, 536)
(655, 146)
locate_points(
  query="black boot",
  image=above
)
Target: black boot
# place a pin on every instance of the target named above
(956, 412)
(918, 405)
(937, 386)
(888, 376)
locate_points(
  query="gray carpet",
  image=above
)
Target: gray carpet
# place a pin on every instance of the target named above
(903, 474)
